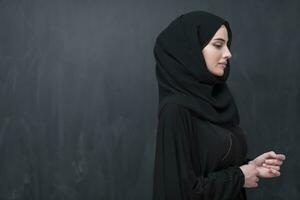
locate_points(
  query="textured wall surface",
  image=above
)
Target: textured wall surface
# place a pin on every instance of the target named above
(78, 94)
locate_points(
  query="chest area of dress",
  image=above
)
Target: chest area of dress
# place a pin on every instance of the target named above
(217, 146)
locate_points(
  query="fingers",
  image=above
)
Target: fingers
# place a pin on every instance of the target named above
(273, 162)
(255, 184)
(280, 156)
(275, 172)
(271, 167)
(272, 154)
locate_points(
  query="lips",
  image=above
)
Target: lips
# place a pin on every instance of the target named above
(223, 65)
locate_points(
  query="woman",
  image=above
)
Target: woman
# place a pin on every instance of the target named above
(201, 150)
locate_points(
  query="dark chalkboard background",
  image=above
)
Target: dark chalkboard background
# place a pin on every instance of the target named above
(79, 94)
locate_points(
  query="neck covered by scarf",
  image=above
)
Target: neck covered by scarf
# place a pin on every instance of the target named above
(181, 71)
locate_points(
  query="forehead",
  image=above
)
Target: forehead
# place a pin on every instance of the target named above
(221, 33)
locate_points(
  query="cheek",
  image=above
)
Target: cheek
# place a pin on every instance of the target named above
(211, 57)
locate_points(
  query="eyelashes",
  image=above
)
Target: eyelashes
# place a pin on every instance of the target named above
(218, 46)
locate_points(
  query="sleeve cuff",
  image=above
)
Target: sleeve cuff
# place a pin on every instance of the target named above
(241, 176)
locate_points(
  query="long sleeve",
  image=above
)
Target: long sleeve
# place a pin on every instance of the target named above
(174, 177)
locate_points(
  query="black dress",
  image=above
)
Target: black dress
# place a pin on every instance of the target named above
(196, 159)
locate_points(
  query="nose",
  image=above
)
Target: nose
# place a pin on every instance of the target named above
(227, 53)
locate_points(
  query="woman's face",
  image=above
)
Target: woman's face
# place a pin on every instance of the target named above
(216, 52)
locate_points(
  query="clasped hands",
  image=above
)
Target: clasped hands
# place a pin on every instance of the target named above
(268, 164)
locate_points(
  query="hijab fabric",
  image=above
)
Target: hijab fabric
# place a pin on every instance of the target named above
(181, 71)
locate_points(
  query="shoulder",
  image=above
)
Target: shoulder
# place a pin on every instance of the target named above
(176, 118)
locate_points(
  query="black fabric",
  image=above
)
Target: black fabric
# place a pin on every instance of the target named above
(181, 70)
(196, 159)
(199, 144)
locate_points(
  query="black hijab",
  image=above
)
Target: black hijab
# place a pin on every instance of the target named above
(181, 71)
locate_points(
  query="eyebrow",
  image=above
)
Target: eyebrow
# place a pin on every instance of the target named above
(220, 39)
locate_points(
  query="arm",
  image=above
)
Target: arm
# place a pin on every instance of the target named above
(179, 179)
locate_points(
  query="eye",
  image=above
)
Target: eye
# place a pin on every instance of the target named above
(218, 45)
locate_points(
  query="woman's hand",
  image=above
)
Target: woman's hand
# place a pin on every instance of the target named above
(251, 175)
(268, 164)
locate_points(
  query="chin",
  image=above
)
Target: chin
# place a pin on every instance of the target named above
(219, 73)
